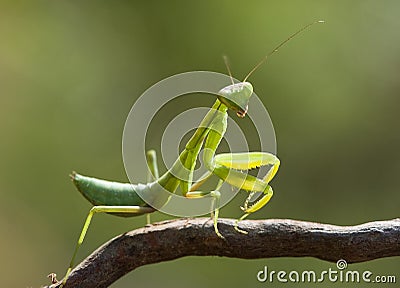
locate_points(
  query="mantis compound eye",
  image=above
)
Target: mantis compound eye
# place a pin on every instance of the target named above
(242, 113)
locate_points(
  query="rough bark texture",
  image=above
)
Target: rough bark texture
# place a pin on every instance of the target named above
(266, 238)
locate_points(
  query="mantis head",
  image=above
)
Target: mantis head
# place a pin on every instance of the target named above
(236, 97)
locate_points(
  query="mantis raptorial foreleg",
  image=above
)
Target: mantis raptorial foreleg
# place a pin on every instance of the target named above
(255, 206)
(246, 161)
(226, 166)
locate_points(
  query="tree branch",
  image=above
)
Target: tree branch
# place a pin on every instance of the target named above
(267, 238)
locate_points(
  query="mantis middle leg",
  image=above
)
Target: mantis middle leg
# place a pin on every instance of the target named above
(215, 194)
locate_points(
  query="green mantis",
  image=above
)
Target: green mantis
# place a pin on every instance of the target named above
(122, 199)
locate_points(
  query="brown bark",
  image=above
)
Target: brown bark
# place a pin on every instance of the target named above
(266, 238)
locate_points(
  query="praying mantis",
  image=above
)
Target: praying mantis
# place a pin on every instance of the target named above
(122, 199)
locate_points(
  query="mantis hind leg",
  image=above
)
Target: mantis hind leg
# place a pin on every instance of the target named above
(216, 195)
(152, 173)
(103, 209)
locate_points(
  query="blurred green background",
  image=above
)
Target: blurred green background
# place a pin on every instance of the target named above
(70, 72)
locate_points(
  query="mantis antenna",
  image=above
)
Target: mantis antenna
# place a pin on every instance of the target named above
(229, 69)
(264, 59)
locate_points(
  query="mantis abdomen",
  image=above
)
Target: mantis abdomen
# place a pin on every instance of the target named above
(101, 192)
